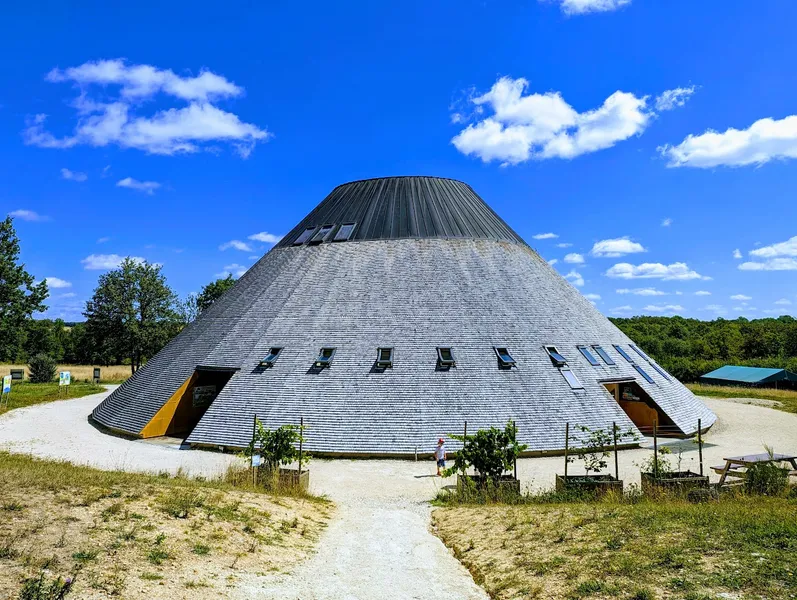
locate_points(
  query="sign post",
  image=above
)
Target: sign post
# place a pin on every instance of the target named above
(5, 396)
(64, 380)
(96, 374)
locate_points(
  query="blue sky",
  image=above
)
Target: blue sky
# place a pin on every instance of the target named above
(654, 139)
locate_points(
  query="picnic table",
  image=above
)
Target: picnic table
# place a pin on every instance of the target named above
(735, 466)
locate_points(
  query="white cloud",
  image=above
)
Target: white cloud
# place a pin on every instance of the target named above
(622, 309)
(541, 126)
(674, 98)
(553, 261)
(783, 302)
(575, 278)
(148, 187)
(265, 237)
(564, 245)
(234, 269)
(102, 240)
(675, 271)
(715, 308)
(56, 283)
(574, 258)
(616, 247)
(580, 7)
(254, 257)
(702, 293)
(236, 244)
(765, 140)
(187, 128)
(104, 262)
(545, 236)
(737, 254)
(666, 222)
(67, 295)
(642, 292)
(73, 175)
(592, 296)
(664, 308)
(787, 248)
(27, 215)
(741, 297)
(773, 264)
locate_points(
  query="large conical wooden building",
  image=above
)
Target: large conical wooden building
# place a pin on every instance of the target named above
(396, 310)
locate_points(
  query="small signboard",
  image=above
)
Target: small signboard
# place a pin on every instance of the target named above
(97, 374)
(7, 384)
(17, 374)
(203, 396)
(64, 378)
(257, 460)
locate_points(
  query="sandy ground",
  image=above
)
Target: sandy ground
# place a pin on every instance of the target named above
(379, 545)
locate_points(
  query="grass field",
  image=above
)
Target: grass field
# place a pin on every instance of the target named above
(28, 394)
(112, 374)
(140, 536)
(787, 398)
(742, 547)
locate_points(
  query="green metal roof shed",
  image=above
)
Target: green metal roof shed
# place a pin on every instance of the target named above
(747, 375)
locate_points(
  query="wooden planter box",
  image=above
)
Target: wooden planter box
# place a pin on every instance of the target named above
(592, 484)
(507, 483)
(680, 482)
(293, 478)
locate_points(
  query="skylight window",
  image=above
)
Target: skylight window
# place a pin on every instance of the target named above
(322, 234)
(642, 372)
(304, 236)
(324, 358)
(588, 355)
(602, 353)
(384, 358)
(623, 353)
(269, 360)
(505, 359)
(557, 359)
(638, 351)
(344, 233)
(571, 379)
(660, 371)
(445, 358)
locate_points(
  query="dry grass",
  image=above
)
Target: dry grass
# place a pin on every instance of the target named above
(140, 536)
(744, 547)
(112, 374)
(787, 398)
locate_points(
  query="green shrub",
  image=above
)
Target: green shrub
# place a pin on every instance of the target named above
(42, 369)
(491, 452)
(766, 479)
(43, 588)
(278, 447)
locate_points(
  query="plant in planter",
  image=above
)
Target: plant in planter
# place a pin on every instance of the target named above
(492, 453)
(276, 450)
(658, 474)
(592, 447)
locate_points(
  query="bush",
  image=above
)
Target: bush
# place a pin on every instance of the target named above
(767, 479)
(43, 588)
(491, 452)
(42, 369)
(278, 447)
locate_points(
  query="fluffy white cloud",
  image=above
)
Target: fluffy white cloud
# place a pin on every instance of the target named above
(188, 128)
(642, 292)
(616, 247)
(675, 271)
(737, 254)
(741, 297)
(702, 293)
(664, 308)
(56, 283)
(575, 278)
(787, 248)
(553, 261)
(666, 222)
(27, 215)
(73, 176)
(765, 140)
(148, 187)
(236, 244)
(622, 309)
(715, 308)
(675, 98)
(545, 236)
(580, 7)
(105, 262)
(540, 126)
(592, 296)
(773, 264)
(265, 237)
(574, 258)
(783, 302)
(564, 245)
(234, 269)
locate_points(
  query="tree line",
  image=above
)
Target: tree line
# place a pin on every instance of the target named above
(689, 348)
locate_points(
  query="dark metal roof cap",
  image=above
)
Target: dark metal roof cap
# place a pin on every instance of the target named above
(407, 207)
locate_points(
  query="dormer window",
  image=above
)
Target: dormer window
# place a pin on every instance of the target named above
(445, 358)
(269, 360)
(384, 358)
(588, 355)
(505, 360)
(304, 236)
(602, 353)
(557, 359)
(571, 379)
(344, 233)
(623, 353)
(324, 358)
(322, 234)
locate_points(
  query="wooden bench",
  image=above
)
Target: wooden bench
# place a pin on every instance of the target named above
(720, 469)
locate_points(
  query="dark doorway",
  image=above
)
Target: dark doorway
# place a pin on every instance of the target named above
(641, 408)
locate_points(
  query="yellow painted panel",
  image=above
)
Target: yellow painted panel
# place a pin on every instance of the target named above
(159, 424)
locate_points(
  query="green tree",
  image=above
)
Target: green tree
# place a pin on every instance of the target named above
(212, 292)
(20, 297)
(132, 313)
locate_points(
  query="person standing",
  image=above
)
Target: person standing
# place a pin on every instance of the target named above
(440, 456)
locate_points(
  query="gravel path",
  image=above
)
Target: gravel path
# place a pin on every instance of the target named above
(379, 545)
